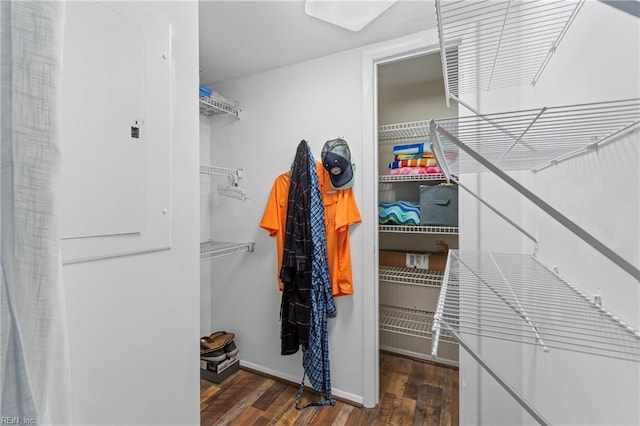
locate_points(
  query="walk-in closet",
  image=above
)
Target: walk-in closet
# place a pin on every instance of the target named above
(510, 86)
(488, 247)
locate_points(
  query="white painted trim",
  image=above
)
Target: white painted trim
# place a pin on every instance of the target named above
(419, 355)
(389, 51)
(296, 381)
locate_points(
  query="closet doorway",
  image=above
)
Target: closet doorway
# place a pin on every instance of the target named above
(409, 257)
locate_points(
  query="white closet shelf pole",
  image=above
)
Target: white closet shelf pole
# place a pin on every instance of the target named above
(555, 45)
(544, 206)
(498, 212)
(593, 146)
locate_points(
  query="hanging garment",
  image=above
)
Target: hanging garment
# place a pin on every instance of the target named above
(340, 212)
(316, 358)
(295, 309)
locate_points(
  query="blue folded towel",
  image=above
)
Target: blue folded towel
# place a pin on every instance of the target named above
(205, 91)
(399, 213)
(412, 148)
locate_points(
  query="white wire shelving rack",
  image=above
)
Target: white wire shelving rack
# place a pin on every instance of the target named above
(402, 322)
(513, 297)
(412, 131)
(533, 139)
(412, 178)
(537, 138)
(516, 300)
(499, 43)
(232, 188)
(409, 322)
(410, 276)
(210, 105)
(418, 229)
(212, 249)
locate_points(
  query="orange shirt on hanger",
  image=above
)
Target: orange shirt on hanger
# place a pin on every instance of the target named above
(340, 211)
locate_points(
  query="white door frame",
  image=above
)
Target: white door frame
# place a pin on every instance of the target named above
(416, 44)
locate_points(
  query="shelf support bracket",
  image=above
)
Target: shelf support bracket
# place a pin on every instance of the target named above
(544, 206)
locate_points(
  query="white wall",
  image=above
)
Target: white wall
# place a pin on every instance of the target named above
(315, 100)
(133, 321)
(416, 102)
(598, 60)
(207, 193)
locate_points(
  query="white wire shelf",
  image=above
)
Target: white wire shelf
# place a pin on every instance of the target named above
(412, 178)
(212, 249)
(418, 229)
(498, 43)
(231, 189)
(411, 131)
(537, 138)
(410, 276)
(514, 298)
(221, 171)
(409, 322)
(210, 106)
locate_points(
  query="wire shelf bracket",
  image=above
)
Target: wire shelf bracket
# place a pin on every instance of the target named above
(231, 188)
(211, 105)
(212, 249)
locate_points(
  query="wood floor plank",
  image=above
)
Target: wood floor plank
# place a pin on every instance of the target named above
(290, 416)
(207, 390)
(225, 401)
(245, 402)
(412, 393)
(385, 410)
(446, 414)
(327, 415)
(428, 405)
(343, 416)
(261, 421)
(416, 377)
(267, 399)
(281, 405)
(249, 416)
(403, 409)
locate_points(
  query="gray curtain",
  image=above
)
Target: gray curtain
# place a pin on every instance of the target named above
(34, 370)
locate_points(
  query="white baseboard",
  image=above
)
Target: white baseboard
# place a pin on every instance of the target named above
(418, 355)
(357, 399)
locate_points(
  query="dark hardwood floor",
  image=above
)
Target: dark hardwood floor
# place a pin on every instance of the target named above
(411, 393)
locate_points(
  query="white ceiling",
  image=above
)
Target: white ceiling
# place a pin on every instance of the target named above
(240, 38)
